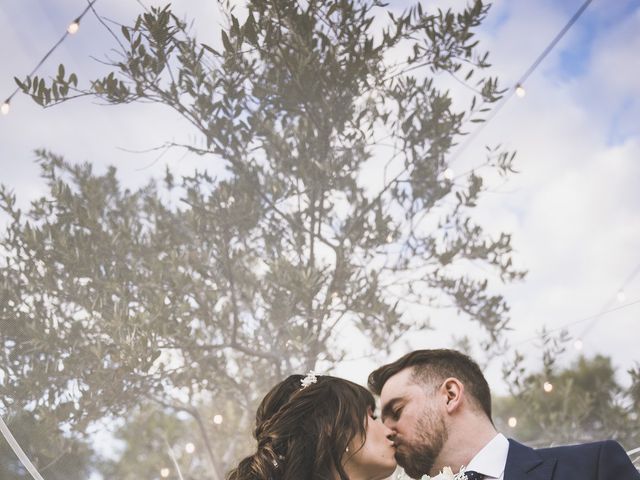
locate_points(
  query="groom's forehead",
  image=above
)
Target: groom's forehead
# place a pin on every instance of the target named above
(397, 384)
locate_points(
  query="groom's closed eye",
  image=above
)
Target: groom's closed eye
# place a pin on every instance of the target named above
(395, 413)
(392, 409)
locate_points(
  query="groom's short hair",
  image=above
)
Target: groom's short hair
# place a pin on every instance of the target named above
(436, 365)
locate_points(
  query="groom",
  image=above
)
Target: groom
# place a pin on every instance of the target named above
(438, 405)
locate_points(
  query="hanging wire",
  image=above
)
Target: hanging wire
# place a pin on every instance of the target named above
(594, 317)
(519, 87)
(71, 29)
(607, 306)
(173, 458)
(6, 433)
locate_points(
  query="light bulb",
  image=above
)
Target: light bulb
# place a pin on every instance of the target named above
(520, 91)
(5, 108)
(448, 174)
(189, 448)
(621, 296)
(217, 419)
(512, 422)
(74, 26)
(578, 344)
(164, 473)
(548, 387)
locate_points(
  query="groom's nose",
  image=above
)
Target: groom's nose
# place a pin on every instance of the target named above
(389, 433)
(388, 423)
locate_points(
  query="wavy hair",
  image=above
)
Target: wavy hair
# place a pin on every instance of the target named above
(303, 433)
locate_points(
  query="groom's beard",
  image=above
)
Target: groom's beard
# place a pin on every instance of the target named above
(418, 458)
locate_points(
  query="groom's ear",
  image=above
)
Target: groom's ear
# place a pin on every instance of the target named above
(453, 390)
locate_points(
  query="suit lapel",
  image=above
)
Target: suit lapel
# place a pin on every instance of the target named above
(523, 463)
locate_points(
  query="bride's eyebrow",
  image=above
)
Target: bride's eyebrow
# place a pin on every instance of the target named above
(388, 408)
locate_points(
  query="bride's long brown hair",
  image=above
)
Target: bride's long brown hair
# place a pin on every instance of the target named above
(303, 433)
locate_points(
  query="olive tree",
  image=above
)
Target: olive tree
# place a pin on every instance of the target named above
(327, 208)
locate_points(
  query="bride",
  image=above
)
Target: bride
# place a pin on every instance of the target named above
(318, 428)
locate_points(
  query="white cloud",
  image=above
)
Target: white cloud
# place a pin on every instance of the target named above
(573, 210)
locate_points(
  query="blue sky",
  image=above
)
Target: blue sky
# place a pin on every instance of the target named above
(574, 210)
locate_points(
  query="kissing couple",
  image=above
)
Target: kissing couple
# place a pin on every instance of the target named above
(435, 415)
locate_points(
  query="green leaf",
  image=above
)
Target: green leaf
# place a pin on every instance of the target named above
(225, 42)
(250, 31)
(23, 86)
(210, 49)
(126, 34)
(235, 26)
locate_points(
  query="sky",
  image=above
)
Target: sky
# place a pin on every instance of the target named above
(573, 210)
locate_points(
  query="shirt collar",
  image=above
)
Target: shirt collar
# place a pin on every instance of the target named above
(492, 459)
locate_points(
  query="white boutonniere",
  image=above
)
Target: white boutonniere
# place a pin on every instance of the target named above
(445, 474)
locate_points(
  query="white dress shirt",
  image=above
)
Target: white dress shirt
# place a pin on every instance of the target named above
(492, 459)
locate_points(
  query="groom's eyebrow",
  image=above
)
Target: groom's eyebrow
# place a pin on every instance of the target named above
(388, 408)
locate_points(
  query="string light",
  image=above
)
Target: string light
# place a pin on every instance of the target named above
(448, 174)
(189, 448)
(547, 387)
(620, 297)
(520, 91)
(217, 419)
(164, 472)
(564, 326)
(512, 422)
(578, 344)
(521, 81)
(72, 28)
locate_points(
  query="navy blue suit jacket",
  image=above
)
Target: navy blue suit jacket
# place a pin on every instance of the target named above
(591, 461)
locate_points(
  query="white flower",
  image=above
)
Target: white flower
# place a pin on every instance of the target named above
(309, 379)
(445, 474)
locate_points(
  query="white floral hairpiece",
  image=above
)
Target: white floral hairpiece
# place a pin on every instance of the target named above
(309, 379)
